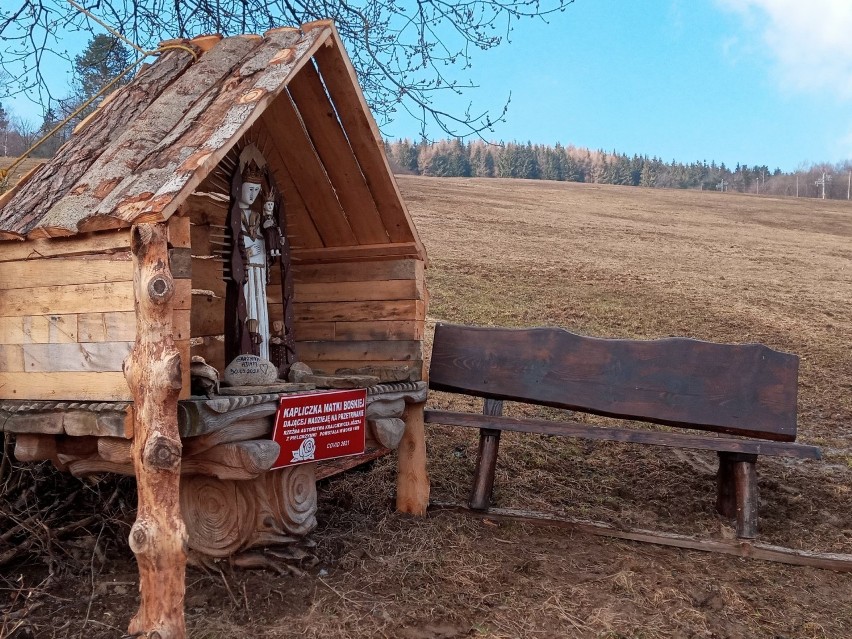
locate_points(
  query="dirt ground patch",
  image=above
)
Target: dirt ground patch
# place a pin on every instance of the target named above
(598, 260)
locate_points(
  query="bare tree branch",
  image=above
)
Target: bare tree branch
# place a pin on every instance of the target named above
(407, 53)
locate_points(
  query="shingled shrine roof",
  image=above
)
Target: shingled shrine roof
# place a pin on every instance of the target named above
(151, 144)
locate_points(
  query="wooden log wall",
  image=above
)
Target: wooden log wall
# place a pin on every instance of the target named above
(348, 314)
(356, 314)
(67, 319)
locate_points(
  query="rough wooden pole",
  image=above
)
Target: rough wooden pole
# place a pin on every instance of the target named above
(153, 372)
(726, 501)
(745, 478)
(486, 461)
(412, 482)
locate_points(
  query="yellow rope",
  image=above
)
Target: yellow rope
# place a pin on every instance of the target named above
(5, 172)
(175, 45)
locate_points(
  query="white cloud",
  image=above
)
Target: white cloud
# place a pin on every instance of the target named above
(810, 40)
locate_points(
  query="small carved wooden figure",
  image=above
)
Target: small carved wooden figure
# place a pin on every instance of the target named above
(271, 230)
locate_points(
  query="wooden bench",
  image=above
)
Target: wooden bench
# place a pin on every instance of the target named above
(746, 392)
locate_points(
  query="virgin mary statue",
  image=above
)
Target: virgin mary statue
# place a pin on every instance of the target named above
(254, 288)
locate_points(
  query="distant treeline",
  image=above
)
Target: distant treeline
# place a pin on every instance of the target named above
(456, 158)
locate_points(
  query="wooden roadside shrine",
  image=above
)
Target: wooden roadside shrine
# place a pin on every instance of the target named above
(133, 251)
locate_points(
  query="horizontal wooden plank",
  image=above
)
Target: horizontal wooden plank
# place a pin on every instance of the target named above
(631, 435)
(742, 389)
(180, 325)
(736, 547)
(355, 291)
(399, 269)
(91, 357)
(368, 330)
(182, 299)
(400, 350)
(39, 329)
(207, 316)
(103, 297)
(85, 327)
(207, 275)
(66, 386)
(212, 349)
(382, 330)
(359, 311)
(106, 241)
(331, 467)
(11, 358)
(179, 235)
(200, 234)
(180, 263)
(329, 366)
(107, 327)
(60, 300)
(355, 253)
(65, 271)
(312, 331)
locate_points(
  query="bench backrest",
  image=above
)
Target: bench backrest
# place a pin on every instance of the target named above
(743, 389)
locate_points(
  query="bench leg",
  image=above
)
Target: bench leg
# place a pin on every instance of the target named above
(486, 462)
(745, 478)
(726, 502)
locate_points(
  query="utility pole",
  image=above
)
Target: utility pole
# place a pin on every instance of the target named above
(797, 185)
(722, 186)
(821, 182)
(849, 186)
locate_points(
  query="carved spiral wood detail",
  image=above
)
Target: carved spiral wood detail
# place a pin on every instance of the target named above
(292, 494)
(219, 515)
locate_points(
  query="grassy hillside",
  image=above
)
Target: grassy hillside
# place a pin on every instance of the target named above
(20, 170)
(599, 260)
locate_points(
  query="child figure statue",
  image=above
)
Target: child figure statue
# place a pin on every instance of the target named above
(271, 230)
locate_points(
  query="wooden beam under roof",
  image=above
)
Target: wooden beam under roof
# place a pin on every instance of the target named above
(332, 147)
(340, 80)
(300, 228)
(311, 180)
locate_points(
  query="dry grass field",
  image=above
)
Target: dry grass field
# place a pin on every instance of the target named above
(22, 169)
(598, 260)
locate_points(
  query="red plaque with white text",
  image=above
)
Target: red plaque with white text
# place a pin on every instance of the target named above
(311, 427)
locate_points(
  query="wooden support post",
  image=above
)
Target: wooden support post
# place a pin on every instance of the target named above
(412, 483)
(153, 372)
(745, 479)
(486, 462)
(726, 504)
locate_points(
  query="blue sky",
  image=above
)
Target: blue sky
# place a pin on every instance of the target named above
(749, 81)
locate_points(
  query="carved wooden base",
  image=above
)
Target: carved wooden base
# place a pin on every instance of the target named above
(226, 516)
(230, 501)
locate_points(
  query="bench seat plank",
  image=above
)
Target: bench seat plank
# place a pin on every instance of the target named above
(601, 433)
(738, 389)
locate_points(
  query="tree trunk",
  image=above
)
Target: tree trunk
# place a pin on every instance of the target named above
(153, 372)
